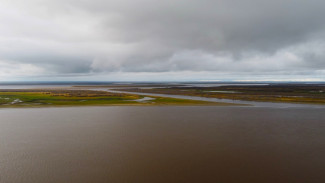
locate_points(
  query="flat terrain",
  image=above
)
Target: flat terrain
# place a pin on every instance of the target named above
(64, 97)
(287, 93)
(106, 95)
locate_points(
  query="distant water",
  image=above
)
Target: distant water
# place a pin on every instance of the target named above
(162, 145)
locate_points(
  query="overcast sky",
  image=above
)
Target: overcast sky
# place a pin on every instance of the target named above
(152, 40)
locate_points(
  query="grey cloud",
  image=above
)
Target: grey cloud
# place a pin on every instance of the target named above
(223, 36)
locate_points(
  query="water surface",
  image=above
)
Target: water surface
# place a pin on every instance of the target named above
(162, 144)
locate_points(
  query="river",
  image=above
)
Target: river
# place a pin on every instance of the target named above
(162, 144)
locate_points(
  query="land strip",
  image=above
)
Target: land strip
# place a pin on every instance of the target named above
(76, 97)
(283, 93)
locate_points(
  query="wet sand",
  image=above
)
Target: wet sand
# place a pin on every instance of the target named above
(162, 144)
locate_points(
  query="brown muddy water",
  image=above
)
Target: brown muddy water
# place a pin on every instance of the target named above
(162, 144)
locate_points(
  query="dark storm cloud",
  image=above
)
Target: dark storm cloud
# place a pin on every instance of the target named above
(279, 37)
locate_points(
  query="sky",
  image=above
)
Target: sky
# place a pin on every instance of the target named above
(162, 40)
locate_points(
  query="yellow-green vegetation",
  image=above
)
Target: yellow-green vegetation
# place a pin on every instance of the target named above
(42, 98)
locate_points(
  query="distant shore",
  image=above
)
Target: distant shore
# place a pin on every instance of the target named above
(266, 95)
(279, 93)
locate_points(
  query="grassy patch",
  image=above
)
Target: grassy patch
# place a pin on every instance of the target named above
(83, 98)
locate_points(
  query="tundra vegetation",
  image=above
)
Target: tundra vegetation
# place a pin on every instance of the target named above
(44, 97)
(289, 93)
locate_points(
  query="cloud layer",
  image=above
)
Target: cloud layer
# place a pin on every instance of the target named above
(162, 40)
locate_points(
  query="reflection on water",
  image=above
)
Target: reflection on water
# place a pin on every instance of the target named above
(162, 144)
